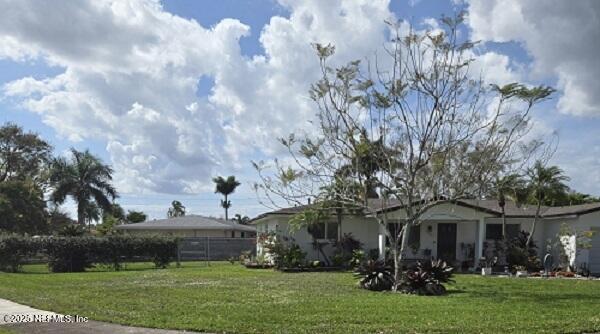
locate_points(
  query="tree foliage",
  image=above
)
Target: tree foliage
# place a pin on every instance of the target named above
(225, 187)
(413, 128)
(23, 155)
(22, 207)
(544, 182)
(84, 178)
(135, 217)
(176, 210)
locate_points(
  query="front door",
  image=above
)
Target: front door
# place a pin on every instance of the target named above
(446, 242)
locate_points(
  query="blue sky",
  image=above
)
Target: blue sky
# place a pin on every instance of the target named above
(174, 92)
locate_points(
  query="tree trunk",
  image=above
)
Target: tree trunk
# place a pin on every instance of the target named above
(339, 221)
(399, 254)
(396, 265)
(535, 219)
(226, 208)
(81, 213)
(503, 223)
(404, 240)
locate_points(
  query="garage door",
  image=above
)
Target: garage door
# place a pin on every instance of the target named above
(595, 253)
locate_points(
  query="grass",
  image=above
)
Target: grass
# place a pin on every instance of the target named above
(5, 330)
(230, 298)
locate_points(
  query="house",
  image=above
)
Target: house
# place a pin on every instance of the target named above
(191, 226)
(457, 231)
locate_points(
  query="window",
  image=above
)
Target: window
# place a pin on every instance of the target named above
(233, 234)
(243, 234)
(317, 230)
(414, 237)
(494, 231)
(324, 231)
(332, 231)
(512, 230)
(394, 229)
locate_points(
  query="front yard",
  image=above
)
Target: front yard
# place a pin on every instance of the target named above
(231, 298)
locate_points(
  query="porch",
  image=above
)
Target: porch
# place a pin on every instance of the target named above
(455, 241)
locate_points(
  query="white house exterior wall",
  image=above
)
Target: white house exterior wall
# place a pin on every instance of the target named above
(587, 222)
(469, 230)
(365, 230)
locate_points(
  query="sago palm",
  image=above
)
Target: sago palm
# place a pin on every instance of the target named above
(85, 179)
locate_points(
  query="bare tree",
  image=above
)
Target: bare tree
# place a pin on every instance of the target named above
(416, 131)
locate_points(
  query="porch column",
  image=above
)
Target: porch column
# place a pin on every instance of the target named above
(381, 242)
(479, 241)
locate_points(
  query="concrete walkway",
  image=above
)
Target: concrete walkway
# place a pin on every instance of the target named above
(10, 311)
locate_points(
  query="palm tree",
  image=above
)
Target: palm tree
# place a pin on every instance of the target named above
(242, 220)
(225, 187)
(543, 183)
(92, 213)
(512, 188)
(84, 178)
(176, 210)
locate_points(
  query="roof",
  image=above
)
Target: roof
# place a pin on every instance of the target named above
(490, 206)
(375, 204)
(571, 210)
(189, 222)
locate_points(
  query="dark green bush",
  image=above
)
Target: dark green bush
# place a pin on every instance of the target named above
(15, 250)
(427, 278)
(286, 253)
(374, 275)
(161, 250)
(345, 249)
(70, 254)
(519, 253)
(77, 253)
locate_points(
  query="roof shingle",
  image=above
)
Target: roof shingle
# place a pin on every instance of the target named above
(189, 222)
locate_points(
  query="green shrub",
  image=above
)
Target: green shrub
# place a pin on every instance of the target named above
(77, 253)
(161, 250)
(15, 249)
(70, 254)
(374, 275)
(115, 249)
(285, 253)
(426, 278)
(344, 250)
(72, 230)
(519, 253)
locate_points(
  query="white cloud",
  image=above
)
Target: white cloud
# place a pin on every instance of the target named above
(131, 72)
(495, 68)
(561, 37)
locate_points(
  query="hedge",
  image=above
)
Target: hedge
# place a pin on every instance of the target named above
(15, 250)
(75, 254)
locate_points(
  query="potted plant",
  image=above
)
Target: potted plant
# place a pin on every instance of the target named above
(521, 271)
(487, 264)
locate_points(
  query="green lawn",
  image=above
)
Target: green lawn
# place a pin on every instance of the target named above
(230, 298)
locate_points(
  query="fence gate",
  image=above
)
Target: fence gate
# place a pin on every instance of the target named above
(212, 248)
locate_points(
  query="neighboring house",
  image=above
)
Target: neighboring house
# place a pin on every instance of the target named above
(191, 226)
(457, 232)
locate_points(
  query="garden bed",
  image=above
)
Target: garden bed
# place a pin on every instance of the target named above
(311, 269)
(258, 266)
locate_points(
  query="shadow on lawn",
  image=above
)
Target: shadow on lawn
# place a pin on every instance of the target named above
(97, 269)
(548, 297)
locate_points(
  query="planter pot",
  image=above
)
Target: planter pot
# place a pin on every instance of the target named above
(522, 273)
(486, 271)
